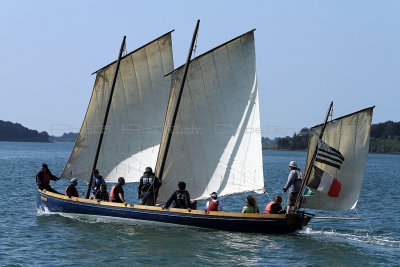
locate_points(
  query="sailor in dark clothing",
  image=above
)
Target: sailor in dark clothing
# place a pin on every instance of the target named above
(71, 190)
(148, 187)
(117, 192)
(102, 194)
(181, 198)
(43, 179)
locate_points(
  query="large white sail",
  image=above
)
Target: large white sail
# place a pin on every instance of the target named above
(216, 141)
(134, 126)
(350, 136)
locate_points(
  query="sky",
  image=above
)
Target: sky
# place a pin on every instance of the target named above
(308, 54)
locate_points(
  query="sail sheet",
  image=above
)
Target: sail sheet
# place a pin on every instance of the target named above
(350, 136)
(134, 126)
(216, 141)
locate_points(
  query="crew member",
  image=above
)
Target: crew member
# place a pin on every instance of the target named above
(43, 179)
(293, 184)
(98, 180)
(117, 192)
(148, 187)
(251, 205)
(181, 198)
(274, 207)
(71, 190)
(102, 194)
(213, 204)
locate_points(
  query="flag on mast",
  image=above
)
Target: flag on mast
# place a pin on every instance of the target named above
(325, 183)
(328, 155)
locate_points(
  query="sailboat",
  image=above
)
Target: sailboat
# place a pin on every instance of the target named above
(337, 154)
(210, 138)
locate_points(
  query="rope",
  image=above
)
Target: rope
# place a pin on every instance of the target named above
(268, 196)
(284, 199)
(357, 212)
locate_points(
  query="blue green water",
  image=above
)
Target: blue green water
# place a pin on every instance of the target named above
(29, 237)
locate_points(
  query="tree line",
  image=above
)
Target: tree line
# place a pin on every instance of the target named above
(385, 138)
(15, 132)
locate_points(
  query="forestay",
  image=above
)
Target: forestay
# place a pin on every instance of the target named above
(216, 141)
(134, 126)
(350, 136)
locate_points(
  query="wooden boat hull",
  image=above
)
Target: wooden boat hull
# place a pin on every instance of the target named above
(258, 223)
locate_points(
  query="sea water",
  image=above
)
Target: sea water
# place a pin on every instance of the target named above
(39, 238)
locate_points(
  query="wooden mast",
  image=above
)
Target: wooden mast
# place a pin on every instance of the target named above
(106, 116)
(171, 128)
(309, 167)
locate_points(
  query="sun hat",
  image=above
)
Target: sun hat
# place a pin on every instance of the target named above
(293, 164)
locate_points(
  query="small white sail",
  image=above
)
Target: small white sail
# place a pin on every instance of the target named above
(350, 136)
(136, 117)
(216, 142)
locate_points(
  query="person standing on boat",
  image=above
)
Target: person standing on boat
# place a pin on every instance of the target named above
(148, 188)
(213, 204)
(251, 205)
(181, 198)
(102, 194)
(117, 192)
(97, 182)
(71, 190)
(274, 207)
(293, 184)
(43, 179)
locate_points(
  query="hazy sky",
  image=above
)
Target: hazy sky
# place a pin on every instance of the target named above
(308, 54)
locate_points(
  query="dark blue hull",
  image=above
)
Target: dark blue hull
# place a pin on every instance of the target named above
(258, 223)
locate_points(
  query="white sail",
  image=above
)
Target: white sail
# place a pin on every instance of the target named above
(216, 142)
(134, 126)
(350, 136)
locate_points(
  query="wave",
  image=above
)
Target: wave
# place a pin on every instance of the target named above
(358, 235)
(95, 219)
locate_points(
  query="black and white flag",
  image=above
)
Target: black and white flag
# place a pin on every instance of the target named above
(328, 155)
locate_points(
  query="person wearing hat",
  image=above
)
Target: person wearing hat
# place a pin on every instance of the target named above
(71, 190)
(43, 179)
(213, 204)
(293, 184)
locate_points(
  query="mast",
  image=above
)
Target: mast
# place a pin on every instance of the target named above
(309, 167)
(106, 116)
(171, 128)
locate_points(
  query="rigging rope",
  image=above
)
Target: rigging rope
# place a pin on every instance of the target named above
(268, 195)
